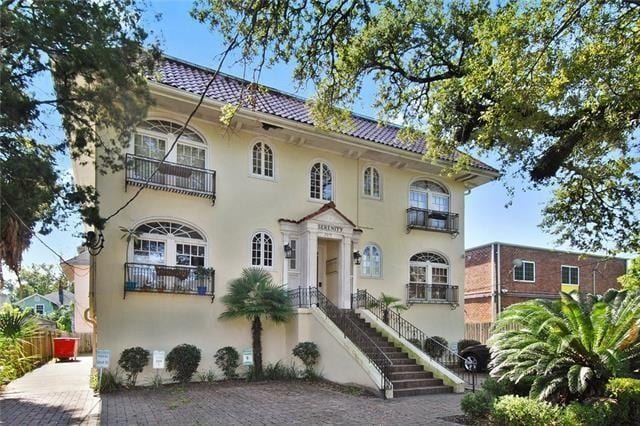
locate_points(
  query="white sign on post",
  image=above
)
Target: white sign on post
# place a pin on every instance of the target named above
(102, 358)
(247, 357)
(158, 359)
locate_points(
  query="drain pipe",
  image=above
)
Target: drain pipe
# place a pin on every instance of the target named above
(493, 284)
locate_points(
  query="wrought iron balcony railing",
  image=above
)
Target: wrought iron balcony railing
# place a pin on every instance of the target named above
(432, 293)
(432, 220)
(169, 279)
(172, 177)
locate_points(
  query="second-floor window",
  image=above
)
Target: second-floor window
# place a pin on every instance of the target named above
(570, 275)
(428, 195)
(371, 183)
(168, 243)
(428, 276)
(153, 138)
(525, 272)
(371, 262)
(320, 182)
(262, 250)
(262, 160)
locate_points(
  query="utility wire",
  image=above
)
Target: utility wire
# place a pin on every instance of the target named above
(182, 129)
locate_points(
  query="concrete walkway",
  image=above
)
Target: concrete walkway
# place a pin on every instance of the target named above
(56, 393)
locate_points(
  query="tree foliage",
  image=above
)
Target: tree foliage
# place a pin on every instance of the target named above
(568, 349)
(631, 280)
(93, 53)
(41, 279)
(552, 87)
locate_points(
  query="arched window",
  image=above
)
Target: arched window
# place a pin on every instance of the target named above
(262, 250)
(168, 243)
(321, 182)
(428, 276)
(429, 203)
(262, 160)
(371, 262)
(371, 184)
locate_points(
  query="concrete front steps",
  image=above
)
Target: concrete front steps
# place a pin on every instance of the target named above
(407, 376)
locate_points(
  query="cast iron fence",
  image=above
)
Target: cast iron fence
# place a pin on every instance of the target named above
(305, 297)
(440, 353)
(169, 279)
(432, 220)
(172, 177)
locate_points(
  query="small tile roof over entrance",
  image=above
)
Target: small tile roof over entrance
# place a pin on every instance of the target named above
(329, 206)
(225, 88)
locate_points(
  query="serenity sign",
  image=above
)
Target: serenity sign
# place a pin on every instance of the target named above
(331, 228)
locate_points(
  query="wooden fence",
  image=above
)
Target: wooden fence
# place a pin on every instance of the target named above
(479, 331)
(41, 344)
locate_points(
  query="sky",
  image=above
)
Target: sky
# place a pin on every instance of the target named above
(486, 217)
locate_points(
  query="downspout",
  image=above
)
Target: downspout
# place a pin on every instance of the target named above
(499, 286)
(493, 284)
(90, 313)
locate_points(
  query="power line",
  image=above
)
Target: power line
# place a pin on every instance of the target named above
(182, 129)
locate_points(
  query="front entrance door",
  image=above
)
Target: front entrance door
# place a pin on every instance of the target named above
(322, 268)
(329, 269)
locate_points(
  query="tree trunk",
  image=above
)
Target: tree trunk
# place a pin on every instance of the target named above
(256, 336)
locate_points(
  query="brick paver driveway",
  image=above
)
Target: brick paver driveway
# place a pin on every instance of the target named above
(270, 403)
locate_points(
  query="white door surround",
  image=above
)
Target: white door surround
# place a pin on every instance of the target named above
(328, 224)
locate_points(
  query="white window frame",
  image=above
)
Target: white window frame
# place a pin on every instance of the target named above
(573, 267)
(333, 181)
(36, 308)
(428, 265)
(371, 275)
(169, 138)
(295, 251)
(273, 162)
(273, 251)
(524, 275)
(364, 172)
(429, 194)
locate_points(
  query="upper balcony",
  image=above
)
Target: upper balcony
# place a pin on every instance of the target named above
(171, 177)
(432, 220)
(153, 278)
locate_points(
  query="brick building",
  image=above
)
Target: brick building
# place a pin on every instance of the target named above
(498, 275)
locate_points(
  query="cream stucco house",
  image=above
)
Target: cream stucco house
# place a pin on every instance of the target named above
(333, 211)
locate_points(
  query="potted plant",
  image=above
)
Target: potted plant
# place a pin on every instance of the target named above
(129, 234)
(389, 302)
(201, 273)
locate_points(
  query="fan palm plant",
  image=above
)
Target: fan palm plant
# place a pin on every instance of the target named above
(568, 349)
(256, 297)
(386, 302)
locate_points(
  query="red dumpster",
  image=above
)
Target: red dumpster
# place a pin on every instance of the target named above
(65, 347)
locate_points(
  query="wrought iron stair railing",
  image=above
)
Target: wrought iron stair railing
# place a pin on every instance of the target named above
(440, 353)
(306, 297)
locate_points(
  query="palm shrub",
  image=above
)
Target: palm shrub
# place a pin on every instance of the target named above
(256, 297)
(568, 349)
(16, 324)
(16, 327)
(387, 302)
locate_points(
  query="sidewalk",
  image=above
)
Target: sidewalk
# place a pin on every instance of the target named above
(56, 393)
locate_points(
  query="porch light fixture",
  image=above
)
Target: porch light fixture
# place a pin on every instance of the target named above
(357, 257)
(288, 251)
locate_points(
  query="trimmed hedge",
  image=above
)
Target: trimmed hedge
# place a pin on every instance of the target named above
(465, 343)
(433, 349)
(510, 410)
(183, 361)
(627, 392)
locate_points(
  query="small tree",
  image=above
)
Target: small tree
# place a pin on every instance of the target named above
(228, 360)
(133, 360)
(309, 355)
(183, 361)
(254, 296)
(390, 302)
(631, 280)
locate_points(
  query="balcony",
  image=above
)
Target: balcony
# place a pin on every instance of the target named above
(171, 177)
(143, 277)
(432, 220)
(432, 293)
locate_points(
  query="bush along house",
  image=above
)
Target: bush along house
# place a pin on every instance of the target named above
(335, 217)
(501, 274)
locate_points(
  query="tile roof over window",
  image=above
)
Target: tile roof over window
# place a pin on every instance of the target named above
(192, 78)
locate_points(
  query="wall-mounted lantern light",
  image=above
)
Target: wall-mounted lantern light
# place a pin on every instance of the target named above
(288, 251)
(357, 257)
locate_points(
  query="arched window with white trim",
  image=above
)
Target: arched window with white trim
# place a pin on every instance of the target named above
(429, 204)
(429, 275)
(371, 183)
(262, 160)
(169, 243)
(262, 250)
(371, 262)
(321, 182)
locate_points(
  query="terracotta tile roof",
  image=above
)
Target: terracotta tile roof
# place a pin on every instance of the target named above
(329, 206)
(192, 78)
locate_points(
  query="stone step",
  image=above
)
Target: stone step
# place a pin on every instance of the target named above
(422, 391)
(416, 383)
(396, 355)
(406, 375)
(406, 368)
(404, 361)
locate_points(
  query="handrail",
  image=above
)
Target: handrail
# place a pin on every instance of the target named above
(435, 350)
(419, 218)
(311, 296)
(145, 277)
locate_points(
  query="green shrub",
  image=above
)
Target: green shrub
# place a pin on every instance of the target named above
(208, 376)
(626, 392)
(133, 360)
(278, 371)
(109, 382)
(416, 343)
(308, 353)
(496, 388)
(465, 343)
(435, 346)
(228, 360)
(600, 413)
(477, 405)
(510, 410)
(16, 324)
(183, 361)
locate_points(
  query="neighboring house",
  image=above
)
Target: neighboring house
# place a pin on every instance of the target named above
(500, 274)
(44, 305)
(77, 270)
(327, 210)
